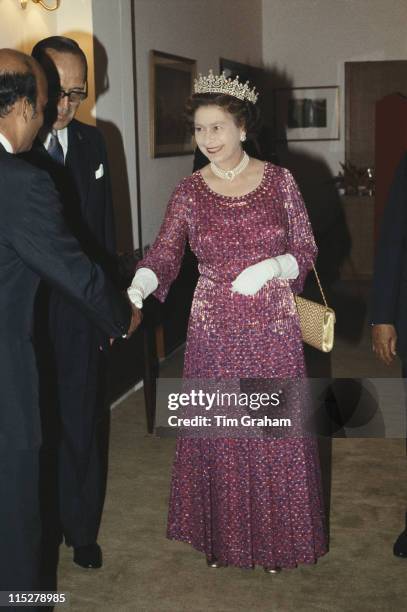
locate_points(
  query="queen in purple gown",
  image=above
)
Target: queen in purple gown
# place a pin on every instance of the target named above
(241, 501)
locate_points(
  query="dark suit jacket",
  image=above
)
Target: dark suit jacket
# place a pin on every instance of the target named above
(85, 191)
(35, 243)
(389, 290)
(92, 215)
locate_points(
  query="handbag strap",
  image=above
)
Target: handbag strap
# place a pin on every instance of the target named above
(320, 286)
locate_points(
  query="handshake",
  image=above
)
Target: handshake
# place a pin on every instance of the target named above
(136, 318)
(144, 283)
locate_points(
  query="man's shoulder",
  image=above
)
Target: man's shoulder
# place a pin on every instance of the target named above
(85, 131)
(16, 167)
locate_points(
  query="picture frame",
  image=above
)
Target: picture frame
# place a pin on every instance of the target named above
(307, 113)
(171, 84)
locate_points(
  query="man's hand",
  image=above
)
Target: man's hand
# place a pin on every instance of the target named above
(135, 320)
(384, 339)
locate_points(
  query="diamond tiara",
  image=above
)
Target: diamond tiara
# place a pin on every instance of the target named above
(214, 83)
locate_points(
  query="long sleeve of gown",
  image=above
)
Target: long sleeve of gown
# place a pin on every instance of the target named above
(300, 242)
(165, 255)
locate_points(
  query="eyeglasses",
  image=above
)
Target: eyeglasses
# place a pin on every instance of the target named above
(74, 95)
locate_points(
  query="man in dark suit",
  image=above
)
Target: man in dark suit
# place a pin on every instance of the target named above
(389, 292)
(74, 154)
(34, 243)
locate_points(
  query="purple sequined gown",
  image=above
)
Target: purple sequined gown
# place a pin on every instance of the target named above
(244, 502)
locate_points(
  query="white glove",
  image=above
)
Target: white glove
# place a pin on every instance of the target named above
(144, 282)
(252, 279)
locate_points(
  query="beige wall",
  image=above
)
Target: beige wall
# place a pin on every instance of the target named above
(113, 54)
(20, 29)
(201, 30)
(311, 40)
(74, 19)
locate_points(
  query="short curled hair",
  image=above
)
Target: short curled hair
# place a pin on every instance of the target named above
(17, 85)
(244, 113)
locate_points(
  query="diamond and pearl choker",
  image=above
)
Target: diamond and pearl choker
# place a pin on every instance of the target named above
(229, 175)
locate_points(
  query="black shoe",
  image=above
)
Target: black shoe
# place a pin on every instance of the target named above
(400, 545)
(89, 556)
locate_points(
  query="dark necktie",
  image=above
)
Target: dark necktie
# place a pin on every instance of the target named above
(55, 149)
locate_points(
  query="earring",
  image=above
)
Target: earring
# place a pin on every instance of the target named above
(242, 137)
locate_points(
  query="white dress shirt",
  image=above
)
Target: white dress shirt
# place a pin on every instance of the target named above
(62, 137)
(6, 143)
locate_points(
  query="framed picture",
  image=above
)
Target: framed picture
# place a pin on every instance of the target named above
(307, 113)
(171, 80)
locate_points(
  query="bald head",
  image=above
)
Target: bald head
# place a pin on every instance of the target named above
(23, 96)
(15, 61)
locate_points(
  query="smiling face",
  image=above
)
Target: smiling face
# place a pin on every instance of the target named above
(218, 136)
(71, 71)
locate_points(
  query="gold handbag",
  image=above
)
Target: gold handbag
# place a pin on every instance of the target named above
(317, 321)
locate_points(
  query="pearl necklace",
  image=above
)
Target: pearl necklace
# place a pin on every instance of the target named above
(229, 175)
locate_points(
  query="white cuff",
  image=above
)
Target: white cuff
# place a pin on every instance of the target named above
(143, 284)
(285, 266)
